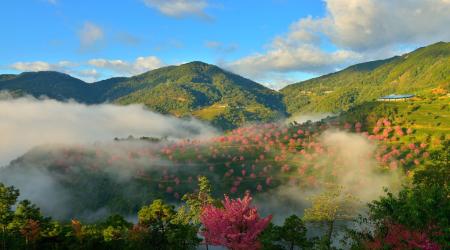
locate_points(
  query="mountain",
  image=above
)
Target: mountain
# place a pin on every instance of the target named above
(52, 84)
(106, 89)
(228, 100)
(202, 90)
(417, 73)
(205, 91)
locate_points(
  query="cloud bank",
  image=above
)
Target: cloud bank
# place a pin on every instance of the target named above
(355, 170)
(28, 122)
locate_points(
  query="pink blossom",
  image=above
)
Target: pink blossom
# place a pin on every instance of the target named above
(236, 226)
(376, 130)
(285, 168)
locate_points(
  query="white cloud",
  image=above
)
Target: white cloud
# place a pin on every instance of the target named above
(368, 24)
(359, 30)
(179, 8)
(56, 122)
(90, 35)
(285, 58)
(41, 66)
(31, 66)
(140, 65)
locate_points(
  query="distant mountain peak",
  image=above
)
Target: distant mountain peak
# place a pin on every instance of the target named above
(198, 63)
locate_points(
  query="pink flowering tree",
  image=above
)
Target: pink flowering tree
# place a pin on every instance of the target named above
(399, 237)
(236, 226)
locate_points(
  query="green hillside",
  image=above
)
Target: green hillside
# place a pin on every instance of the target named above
(417, 72)
(52, 84)
(428, 118)
(205, 91)
(105, 90)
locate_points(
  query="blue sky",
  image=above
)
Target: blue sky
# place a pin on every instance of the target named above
(272, 41)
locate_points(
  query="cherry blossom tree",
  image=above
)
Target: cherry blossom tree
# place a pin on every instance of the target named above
(236, 226)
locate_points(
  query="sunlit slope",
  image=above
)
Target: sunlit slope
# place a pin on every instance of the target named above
(428, 117)
(415, 72)
(205, 91)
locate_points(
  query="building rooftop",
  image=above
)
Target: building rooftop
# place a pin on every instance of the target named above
(395, 96)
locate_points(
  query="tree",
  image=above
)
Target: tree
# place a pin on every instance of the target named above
(437, 171)
(329, 207)
(270, 238)
(31, 231)
(156, 213)
(190, 213)
(400, 237)
(183, 236)
(28, 221)
(188, 216)
(236, 226)
(417, 217)
(115, 229)
(423, 208)
(157, 220)
(8, 198)
(25, 211)
(293, 232)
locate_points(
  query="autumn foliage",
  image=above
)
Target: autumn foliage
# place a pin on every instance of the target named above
(236, 226)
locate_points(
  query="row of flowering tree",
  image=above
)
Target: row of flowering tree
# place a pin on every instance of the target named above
(258, 158)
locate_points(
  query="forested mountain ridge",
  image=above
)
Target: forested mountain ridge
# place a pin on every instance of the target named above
(416, 72)
(52, 84)
(202, 90)
(205, 91)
